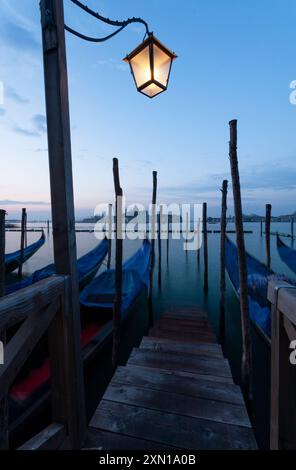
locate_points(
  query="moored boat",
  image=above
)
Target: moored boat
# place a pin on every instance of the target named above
(15, 259)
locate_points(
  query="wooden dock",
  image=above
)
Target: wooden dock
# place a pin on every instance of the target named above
(175, 392)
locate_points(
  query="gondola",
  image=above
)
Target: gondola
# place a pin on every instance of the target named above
(287, 254)
(32, 388)
(87, 267)
(15, 259)
(258, 278)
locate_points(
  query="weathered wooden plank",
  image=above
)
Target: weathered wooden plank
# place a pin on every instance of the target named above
(157, 379)
(185, 362)
(22, 343)
(162, 344)
(50, 438)
(184, 405)
(195, 375)
(181, 336)
(184, 323)
(97, 439)
(19, 305)
(183, 432)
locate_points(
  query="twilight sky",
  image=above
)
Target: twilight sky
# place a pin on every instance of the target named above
(236, 60)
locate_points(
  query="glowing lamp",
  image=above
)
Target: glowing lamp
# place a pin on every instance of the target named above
(150, 65)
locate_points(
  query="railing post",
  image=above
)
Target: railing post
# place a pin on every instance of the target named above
(62, 204)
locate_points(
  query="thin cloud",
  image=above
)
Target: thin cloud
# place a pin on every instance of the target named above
(12, 202)
(39, 121)
(18, 37)
(14, 95)
(25, 132)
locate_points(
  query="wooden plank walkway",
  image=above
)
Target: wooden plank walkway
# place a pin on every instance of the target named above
(175, 392)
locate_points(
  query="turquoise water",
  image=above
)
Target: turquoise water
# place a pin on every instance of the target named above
(182, 285)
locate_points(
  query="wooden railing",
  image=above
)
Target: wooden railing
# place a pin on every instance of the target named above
(283, 368)
(41, 308)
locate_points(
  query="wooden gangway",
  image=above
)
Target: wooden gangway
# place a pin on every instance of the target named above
(175, 392)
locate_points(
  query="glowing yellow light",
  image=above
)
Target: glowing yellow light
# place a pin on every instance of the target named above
(150, 65)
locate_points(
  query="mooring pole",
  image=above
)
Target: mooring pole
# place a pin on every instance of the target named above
(261, 228)
(292, 226)
(267, 234)
(242, 264)
(205, 245)
(118, 263)
(152, 254)
(4, 401)
(222, 261)
(62, 206)
(25, 232)
(168, 240)
(48, 227)
(159, 244)
(23, 228)
(198, 240)
(109, 235)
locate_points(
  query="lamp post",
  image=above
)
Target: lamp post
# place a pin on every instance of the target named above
(68, 409)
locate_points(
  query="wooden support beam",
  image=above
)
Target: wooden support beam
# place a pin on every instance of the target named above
(267, 234)
(223, 223)
(152, 253)
(23, 228)
(19, 305)
(118, 264)
(242, 262)
(205, 245)
(62, 203)
(22, 343)
(4, 401)
(50, 438)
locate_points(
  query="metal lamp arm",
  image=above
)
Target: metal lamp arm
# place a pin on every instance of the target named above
(121, 24)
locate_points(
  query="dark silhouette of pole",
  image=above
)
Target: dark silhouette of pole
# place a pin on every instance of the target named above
(261, 228)
(205, 245)
(222, 260)
(109, 235)
(118, 264)
(198, 240)
(292, 226)
(242, 263)
(267, 234)
(160, 217)
(152, 254)
(23, 228)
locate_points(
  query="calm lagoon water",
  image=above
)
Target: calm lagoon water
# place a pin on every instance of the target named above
(182, 285)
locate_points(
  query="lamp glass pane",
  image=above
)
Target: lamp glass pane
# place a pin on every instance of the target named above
(152, 90)
(141, 67)
(162, 64)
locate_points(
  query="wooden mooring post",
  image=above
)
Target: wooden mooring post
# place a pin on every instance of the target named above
(62, 206)
(23, 228)
(152, 254)
(168, 240)
(198, 240)
(267, 234)
(48, 227)
(261, 228)
(205, 245)
(292, 226)
(110, 225)
(222, 261)
(118, 263)
(160, 221)
(242, 262)
(4, 401)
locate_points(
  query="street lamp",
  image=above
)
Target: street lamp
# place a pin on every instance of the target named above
(150, 65)
(150, 62)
